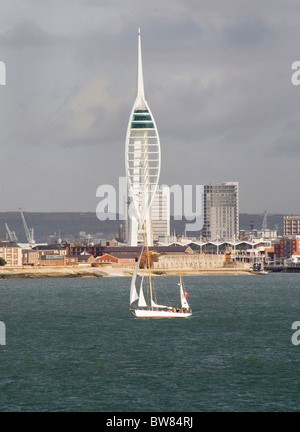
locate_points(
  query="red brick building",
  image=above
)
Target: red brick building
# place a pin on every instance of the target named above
(124, 259)
(65, 260)
(31, 257)
(286, 247)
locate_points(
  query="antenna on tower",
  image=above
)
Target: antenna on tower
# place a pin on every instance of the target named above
(140, 99)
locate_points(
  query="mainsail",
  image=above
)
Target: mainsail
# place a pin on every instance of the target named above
(153, 304)
(184, 302)
(133, 292)
(142, 301)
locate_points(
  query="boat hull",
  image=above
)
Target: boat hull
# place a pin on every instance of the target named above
(144, 313)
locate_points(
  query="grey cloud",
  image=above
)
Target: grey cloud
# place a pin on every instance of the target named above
(25, 34)
(217, 78)
(287, 145)
(249, 32)
(287, 148)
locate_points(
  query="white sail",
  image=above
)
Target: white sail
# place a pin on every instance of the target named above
(133, 292)
(142, 301)
(153, 304)
(183, 300)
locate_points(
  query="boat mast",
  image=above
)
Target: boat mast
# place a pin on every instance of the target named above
(148, 264)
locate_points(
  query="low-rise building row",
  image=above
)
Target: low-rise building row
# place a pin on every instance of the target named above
(68, 255)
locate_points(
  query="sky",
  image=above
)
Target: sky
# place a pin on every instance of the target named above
(217, 78)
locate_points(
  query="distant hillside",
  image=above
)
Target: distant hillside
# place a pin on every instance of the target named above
(274, 221)
(70, 224)
(47, 224)
(247, 222)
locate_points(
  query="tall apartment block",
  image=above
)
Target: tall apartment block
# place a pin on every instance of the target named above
(291, 225)
(160, 213)
(221, 211)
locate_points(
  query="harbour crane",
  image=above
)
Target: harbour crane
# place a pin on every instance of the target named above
(11, 234)
(264, 226)
(28, 231)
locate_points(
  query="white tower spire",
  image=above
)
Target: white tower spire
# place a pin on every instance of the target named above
(140, 98)
(142, 162)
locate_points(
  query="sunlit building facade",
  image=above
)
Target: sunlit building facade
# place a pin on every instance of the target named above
(221, 211)
(291, 225)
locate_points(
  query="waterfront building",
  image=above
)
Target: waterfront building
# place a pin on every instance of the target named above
(31, 257)
(57, 249)
(291, 225)
(117, 259)
(221, 211)
(143, 160)
(11, 252)
(286, 247)
(54, 260)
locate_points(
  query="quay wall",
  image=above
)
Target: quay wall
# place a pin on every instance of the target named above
(191, 262)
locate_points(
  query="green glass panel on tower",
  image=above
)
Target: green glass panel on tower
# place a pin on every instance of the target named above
(135, 125)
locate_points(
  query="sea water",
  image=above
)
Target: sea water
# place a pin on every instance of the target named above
(73, 345)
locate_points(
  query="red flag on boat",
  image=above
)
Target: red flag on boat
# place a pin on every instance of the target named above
(187, 294)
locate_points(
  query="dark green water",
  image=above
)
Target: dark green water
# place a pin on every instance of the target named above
(72, 345)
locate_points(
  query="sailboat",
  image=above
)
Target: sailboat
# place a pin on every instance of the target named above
(262, 270)
(153, 309)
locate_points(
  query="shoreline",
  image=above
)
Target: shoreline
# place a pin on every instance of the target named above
(75, 272)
